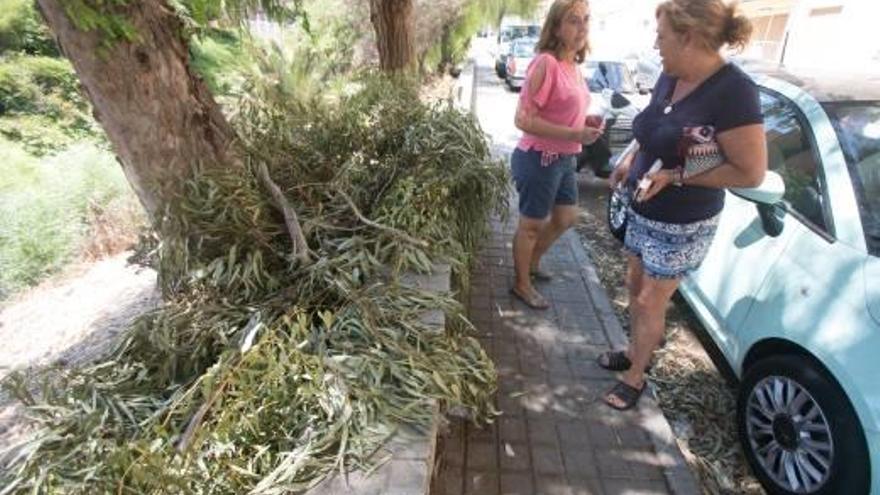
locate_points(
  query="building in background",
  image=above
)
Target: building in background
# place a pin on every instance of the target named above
(828, 34)
(623, 27)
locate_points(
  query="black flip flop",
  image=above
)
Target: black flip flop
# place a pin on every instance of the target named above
(614, 361)
(627, 394)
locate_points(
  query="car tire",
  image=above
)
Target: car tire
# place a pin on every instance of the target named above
(811, 423)
(616, 213)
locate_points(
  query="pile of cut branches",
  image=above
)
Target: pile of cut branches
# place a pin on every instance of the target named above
(270, 366)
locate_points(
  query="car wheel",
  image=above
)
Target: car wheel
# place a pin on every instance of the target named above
(616, 209)
(799, 431)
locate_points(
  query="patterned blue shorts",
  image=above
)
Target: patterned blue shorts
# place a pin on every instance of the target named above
(668, 250)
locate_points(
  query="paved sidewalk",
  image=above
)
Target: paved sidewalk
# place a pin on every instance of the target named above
(555, 435)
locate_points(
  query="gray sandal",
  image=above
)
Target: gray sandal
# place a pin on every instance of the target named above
(533, 300)
(540, 275)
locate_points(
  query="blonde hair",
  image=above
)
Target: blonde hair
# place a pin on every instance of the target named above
(549, 42)
(712, 22)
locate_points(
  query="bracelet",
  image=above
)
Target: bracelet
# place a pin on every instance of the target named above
(678, 176)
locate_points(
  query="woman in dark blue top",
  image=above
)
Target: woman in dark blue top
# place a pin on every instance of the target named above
(701, 102)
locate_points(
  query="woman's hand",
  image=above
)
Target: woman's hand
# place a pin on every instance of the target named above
(619, 173)
(596, 121)
(658, 181)
(588, 135)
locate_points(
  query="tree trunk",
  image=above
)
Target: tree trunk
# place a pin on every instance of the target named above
(392, 21)
(159, 116)
(445, 49)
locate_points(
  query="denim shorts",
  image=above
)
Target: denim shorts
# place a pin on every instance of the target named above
(541, 188)
(668, 250)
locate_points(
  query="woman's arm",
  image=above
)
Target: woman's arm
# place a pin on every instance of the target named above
(621, 171)
(528, 120)
(745, 152)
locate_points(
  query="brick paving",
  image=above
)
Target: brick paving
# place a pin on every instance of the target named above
(555, 436)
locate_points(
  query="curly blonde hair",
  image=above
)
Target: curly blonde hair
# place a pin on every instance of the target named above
(548, 41)
(713, 22)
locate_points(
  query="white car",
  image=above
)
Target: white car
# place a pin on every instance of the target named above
(520, 56)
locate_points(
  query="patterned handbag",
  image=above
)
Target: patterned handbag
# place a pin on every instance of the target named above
(700, 150)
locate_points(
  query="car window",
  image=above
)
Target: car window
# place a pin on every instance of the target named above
(791, 154)
(523, 50)
(611, 75)
(857, 124)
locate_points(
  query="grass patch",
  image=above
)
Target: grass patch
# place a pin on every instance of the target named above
(57, 208)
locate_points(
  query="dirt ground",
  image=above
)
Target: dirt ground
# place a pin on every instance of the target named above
(69, 320)
(694, 396)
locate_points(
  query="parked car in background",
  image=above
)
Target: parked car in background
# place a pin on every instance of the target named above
(511, 29)
(790, 290)
(614, 96)
(646, 69)
(522, 52)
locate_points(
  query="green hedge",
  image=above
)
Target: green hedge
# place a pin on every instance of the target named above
(40, 104)
(23, 30)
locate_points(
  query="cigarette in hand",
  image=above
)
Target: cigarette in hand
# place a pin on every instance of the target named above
(645, 182)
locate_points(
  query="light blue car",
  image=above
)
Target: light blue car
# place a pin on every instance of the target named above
(790, 290)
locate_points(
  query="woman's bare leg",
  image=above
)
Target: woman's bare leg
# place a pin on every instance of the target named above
(649, 322)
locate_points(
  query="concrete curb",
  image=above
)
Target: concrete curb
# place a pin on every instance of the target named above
(464, 94)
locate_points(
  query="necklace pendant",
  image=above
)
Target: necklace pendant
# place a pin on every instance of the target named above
(667, 109)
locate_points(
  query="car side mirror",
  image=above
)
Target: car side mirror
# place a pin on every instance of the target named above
(771, 218)
(618, 100)
(768, 199)
(769, 192)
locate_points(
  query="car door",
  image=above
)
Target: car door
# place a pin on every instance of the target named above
(815, 288)
(743, 253)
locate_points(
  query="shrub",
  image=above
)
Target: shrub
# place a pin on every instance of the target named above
(48, 206)
(218, 58)
(17, 92)
(23, 30)
(39, 135)
(53, 75)
(41, 106)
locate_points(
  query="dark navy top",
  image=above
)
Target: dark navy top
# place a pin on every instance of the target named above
(726, 100)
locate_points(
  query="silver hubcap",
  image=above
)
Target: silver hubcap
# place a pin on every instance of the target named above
(789, 435)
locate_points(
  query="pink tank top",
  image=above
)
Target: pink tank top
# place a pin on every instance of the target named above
(562, 99)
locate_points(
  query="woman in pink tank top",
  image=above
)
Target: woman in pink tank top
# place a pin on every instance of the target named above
(552, 115)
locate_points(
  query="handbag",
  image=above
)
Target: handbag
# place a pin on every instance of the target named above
(700, 150)
(617, 210)
(620, 198)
